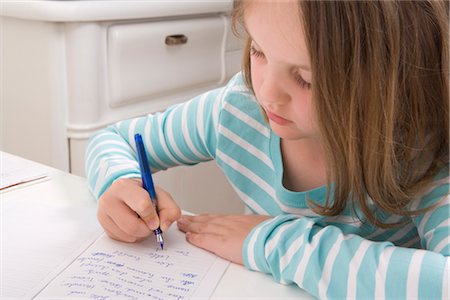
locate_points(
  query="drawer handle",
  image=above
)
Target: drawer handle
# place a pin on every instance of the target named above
(176, 39)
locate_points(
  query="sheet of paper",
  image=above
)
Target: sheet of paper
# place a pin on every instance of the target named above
(111, 269)
(16, 170)
(43, 229)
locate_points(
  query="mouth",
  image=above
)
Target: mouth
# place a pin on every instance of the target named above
(277, 119)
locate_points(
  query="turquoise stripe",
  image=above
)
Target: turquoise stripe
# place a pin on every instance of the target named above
(437, 217)
(191, 121)
(365, 289)
(291, 235)
(439, 235)
(431, 274)
(243, 183)
(337, 288)
(318, 257)
(247, 160)
(397, 275)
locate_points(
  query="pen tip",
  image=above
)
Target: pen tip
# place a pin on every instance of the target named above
(162, 246)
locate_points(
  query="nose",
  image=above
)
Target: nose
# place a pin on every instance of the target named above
(272, 91)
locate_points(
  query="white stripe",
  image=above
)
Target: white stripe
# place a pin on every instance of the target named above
(109, 151)
(216, 107)
(163, 143)
(251, 203)
(271, 244)
(246, 146)
(309, 249)
(412, 285)
(149, 146)
(343, 219)
(107, 142)
(285, 260)
(251, 248)
(251, 243)
(262, 184)
(381, 273)
(427, 215)
(107, 172)
(172, 140)
(184, 128)
(429, 235)
(110, 160)
(131, 132)
(442, 244)
(96, 137)
(353, 268)
(247, 173)
(328, 267)
(200, 117)
(247, 120)
(380, 231)
(100, 177)
(412, 242)
(401, 233)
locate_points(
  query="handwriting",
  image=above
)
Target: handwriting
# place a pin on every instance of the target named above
(119, 272)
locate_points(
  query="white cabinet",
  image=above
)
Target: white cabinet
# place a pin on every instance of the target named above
(72, 67)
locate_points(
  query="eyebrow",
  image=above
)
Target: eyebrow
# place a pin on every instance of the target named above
(301, 66)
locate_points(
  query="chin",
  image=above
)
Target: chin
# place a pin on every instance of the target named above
(288, 133)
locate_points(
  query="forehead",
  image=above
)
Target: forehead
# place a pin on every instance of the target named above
(276, 27)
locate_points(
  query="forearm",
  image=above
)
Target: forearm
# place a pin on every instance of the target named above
(329, 264)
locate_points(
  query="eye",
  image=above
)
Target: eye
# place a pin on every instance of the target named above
(302, 82)
(256, 53)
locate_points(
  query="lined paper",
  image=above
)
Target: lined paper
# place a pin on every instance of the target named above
(111, 269)
(16, 170)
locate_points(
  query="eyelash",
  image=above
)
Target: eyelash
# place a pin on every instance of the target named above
(298, 78)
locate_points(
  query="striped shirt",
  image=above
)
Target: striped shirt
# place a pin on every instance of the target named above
(329, 257)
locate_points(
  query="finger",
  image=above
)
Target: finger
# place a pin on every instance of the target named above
(209, 242)
(127, 220)
(203, 218)
(138, 200)
(168, 209)
(113, 230)
(201, 228)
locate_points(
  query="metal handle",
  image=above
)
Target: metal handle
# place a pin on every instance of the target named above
(176, 39)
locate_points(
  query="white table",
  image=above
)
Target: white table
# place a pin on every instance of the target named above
(59, 215)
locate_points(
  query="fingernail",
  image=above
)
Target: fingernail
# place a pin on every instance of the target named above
(153, 224)
(164, 226)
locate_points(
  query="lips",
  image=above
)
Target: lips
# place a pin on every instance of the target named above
(277, 119)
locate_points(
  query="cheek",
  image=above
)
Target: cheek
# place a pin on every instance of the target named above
(256, 72)
(304, 111)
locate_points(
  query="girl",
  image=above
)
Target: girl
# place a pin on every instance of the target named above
(335, 136)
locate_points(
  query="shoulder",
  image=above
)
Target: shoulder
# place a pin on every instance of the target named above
(437, 192)
(240, 102)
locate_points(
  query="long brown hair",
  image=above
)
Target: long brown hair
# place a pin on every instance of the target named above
(380, 84)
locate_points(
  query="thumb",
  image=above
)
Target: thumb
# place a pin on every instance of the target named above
(168, 209)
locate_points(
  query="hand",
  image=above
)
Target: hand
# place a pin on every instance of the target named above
(223, 235)
(126, 212)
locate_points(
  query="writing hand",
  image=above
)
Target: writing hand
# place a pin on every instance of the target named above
(126, 213)
(223, 235)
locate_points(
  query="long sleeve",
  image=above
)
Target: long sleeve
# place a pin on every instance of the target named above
(184, 134)
(330, 263)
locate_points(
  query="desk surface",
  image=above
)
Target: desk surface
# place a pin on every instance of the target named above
(65, 199)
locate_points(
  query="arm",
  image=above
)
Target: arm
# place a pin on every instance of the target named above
(182, 135)
(330, 264)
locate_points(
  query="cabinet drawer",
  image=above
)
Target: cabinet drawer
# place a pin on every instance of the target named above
(153, 59)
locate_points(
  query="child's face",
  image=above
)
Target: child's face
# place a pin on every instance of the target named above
(280, 67)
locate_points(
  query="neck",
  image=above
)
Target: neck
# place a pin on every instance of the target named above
(304, 164)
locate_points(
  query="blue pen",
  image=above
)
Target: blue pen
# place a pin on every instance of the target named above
(147, 180)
